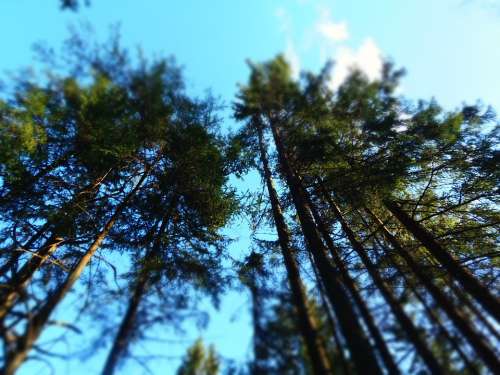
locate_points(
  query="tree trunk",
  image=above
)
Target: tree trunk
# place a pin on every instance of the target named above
(10, 264)
(122, 338)
(431, 313)
(459, 273)
(331, 319)
(474, 339)
(403, 319)
(380, 343)
(360, 350)
(22, 278)
(37, 323)
(465, 301)
(306, 324)
(442, 329)
(259, 355)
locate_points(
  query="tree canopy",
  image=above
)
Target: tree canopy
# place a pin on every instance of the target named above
(117, 188)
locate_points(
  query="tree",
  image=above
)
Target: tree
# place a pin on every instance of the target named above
(306, 323)
(72, 4)
(269, 94)
(185, 205)
(132, 144)
(199, 361)
(343, 156)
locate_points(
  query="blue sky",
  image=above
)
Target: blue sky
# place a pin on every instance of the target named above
(450, 49)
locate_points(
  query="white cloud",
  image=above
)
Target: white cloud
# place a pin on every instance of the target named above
(291, 53)
(336, 32)
(293, 59)
(367, 58)
(328, 29)
(284, 20)
(329, 38)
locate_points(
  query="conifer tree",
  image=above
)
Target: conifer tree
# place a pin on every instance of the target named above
(365, 150)
(133, 145)
(199, 361)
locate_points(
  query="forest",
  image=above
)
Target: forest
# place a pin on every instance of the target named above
(374, 218)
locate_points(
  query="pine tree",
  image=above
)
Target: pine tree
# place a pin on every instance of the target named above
(131, 137)
(199, 361)
(270, 94)
(364, 149)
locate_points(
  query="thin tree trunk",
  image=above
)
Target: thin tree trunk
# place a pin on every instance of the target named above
(122, 338)
(22, 278)
(10, 264)
(307, 326)
(442, 329)
(37, 323)
(413, 286)
(459, 273)
(403, 319)
(465, 300)
(380, 343)
(259, 356)
(331, 318)
(360, 350)
(474, 339)
(431, 313)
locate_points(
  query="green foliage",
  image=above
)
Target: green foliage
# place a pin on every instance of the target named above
(362, 145)
(74, 148)
(199, 361)
(75, 142)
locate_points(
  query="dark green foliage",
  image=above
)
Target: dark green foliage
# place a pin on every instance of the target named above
(110, 159)
(73, 4)
(363, 146)
(75, 147)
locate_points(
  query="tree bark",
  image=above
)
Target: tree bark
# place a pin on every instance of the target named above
(360, 350)
(306, 325)
(459, 273)
(380, 343)
(122, 338)
(474, 339)
(259, 356)
(10, 264)
(442, 329)
(22, 278)
(331, 319)
(403, 319)
(37, 323)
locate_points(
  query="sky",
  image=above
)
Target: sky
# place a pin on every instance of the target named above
(449, 48)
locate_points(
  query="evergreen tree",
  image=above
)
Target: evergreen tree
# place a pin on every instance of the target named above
(199, 361)
(134, 154)
(350, 155)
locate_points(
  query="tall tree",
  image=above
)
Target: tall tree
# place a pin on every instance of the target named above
(271, 95)
(189, 200)
(366, 146)
(199, 361)
(307, 325)
(131, 133)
